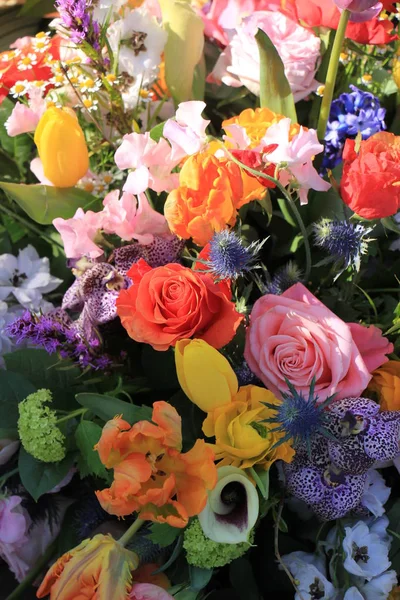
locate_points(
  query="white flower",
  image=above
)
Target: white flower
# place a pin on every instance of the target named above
(310, 574)
(87, 84)
(26, 277)
(366, 554)
(376, 493)
(353, 594)
(20, 88)
(27, 62)
(379, 587)
(5, 319)
(138, 41)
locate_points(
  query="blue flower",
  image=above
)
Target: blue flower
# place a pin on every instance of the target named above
(283, 279)
(350, 114)
(345, 242)
(229, 258)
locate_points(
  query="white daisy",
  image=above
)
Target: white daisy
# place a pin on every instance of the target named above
(20, 88)
(27, 62)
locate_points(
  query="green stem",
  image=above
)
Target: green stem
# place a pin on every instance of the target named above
(33, 573)
(129, 533)
(292, 205)
(29, 225)
(71, 415)
(332, 74)
(263, 490)
(8, 475)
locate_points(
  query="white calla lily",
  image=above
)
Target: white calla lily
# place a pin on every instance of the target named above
(232, 508)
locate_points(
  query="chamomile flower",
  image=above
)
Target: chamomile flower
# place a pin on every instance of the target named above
(87, 184)
(111, 79)
(320, 90)
(19, 89)
(344, 58)
(58, 80)
(39, 84)
(87, 84)
(41, 44)
(107, 177)
(90, 104)
(366, 79)
(27, 62)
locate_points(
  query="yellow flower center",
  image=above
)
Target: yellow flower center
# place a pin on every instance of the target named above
(19, 87)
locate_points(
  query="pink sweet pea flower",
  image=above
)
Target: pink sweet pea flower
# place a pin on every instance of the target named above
(187, 132)
(132, 218)
(38, 170)
(22, 120)
(361, 10)
(297, 155)
(79, 232)
(7, 449)
(14, 521)
(152, 163)
(148, 591)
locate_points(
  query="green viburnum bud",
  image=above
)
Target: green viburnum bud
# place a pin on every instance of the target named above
(37, 427)
(204, 553)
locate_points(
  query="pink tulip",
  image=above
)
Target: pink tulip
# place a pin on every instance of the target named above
(361, 10)
(148, 591)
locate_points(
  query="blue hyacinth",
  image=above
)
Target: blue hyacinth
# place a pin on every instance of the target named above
(299, 418)
(350, 114)
(229, 258)
(344, 241)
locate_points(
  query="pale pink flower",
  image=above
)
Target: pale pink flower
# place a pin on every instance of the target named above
(38, 170)
(79, 232)
(360, 10)
(148, 591)
(7, 449)
(297, 155)
(187, 132)
(151, 161)
(23, 119)
(298, 48)
(132, 217)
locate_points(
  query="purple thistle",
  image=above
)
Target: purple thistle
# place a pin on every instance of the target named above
(77, 18)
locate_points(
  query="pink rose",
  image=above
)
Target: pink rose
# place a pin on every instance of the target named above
(296, 337)
(298, 48)
(148, 591)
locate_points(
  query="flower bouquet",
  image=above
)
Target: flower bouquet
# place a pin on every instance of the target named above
(200, 301)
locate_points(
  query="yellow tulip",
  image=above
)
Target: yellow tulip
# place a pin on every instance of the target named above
(62, 147)
(184, 47)
(204, 374)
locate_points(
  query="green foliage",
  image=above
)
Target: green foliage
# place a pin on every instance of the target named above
(14, 389)
(199, 578)
(107, 407)
(44, 203)
(39, 477)
(163, 534)
(87, 435)
(275, 92)
(156, 132)
(14, 151)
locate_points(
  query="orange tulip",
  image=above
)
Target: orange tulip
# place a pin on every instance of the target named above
(386, 383)
(256, 122)
(151, 475)
(98, 568)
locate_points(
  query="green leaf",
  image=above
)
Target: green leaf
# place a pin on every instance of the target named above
(87, 434)
(199, 578)
(156, 132)
(45, 371)
(275, 92)
(107, 407)
(37, 8)
(44, 203)
(14, 388)
(39, 477)
(163, 534)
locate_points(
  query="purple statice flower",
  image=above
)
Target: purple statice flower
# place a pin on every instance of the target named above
(76, 16)
(161, 251)
(351, 113)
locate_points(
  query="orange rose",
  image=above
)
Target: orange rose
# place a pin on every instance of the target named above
(151, 475)
(210, 192)
(170, 303)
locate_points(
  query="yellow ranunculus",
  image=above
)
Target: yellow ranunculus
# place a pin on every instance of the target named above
(386, 383)
(98, 568)
(204, 374)
(184, 47)
(62, 147)
(242, 439)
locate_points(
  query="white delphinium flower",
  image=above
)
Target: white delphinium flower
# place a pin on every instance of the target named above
(366, 554)
(310, 573)
(376, 493)
(380, 587)
(26, 277)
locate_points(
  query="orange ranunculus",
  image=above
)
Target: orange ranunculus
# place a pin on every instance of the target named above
(210, 192)
(151, 475)
(98, 568)
(386, 383)
(370, 183)
(173, 302)
(256, 122)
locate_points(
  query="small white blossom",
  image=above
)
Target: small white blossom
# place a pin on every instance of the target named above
(310, 574)
(380, 587)
(376, 493)
(366, 555)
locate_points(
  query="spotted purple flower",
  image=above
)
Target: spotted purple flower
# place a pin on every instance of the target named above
(76, 17)
(162, 251)
(350, 114)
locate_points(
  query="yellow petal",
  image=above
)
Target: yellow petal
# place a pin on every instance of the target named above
(204, 374)
(184, 47)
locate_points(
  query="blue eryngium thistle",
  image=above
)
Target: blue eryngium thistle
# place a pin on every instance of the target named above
(229, 257)
(299, 418)
(345, 242)
(283, 279)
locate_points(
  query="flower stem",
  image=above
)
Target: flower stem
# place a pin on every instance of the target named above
(332, 74)
(129, 533)
(33, 573)
(71, 415)
(263, 490)
(29, 225)
(8, 475)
